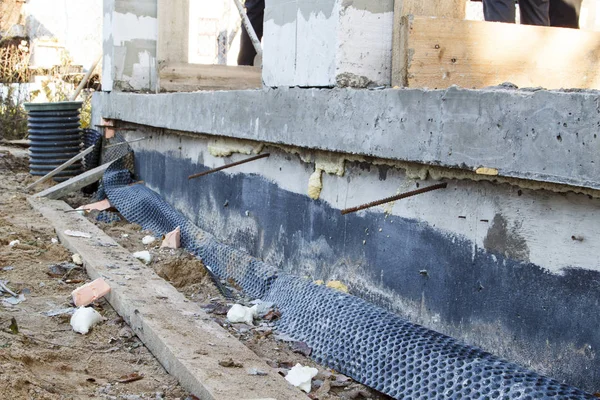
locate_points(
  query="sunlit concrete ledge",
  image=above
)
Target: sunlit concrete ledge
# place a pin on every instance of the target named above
(548, 136)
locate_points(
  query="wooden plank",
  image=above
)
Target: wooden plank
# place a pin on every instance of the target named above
(192, 77)
(178, 332)
(438, 53)
(435, 8)
(73, 184)
(61, 167)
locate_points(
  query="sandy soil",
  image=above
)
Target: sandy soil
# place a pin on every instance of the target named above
(46, 359)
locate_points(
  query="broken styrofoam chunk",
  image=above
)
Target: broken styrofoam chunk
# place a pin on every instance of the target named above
(8, 268)
(172, 239)
(69, 232)
(14, 243)
(84, 318)
(148, 240)
(239, 313)
(301, 376)
(90, 292)
(77, 260)
(54, 240)
(13, 301)
(144, 256)
(125, 235)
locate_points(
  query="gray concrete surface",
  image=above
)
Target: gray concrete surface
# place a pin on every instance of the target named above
(172, 328)
(544, 136)
(130, 34)
(321, 43)
(512, 270)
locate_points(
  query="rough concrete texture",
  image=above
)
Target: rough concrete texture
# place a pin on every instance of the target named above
(180, 334)
(544, 136)
(327, 43)
(129, 39)
(493, 265)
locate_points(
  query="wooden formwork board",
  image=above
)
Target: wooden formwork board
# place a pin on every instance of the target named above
(191, 77)
(439, 52)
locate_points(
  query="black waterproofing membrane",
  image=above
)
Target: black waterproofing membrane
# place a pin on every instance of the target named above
(361, 340)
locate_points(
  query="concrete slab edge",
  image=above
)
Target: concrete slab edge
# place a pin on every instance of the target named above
(514, 133)
(178, 332)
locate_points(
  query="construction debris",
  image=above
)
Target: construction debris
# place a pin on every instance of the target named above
(60, 311)
(301, 348)
(13, 301)
(239, 313)
(84, 319)
(172, 239)
(77, 259)
(301, 377)
(143, 256)
(102, 205)
(5, 289)
(256, 371)
(60, 270)
(148, 240)
(263, 308)
(134, 376)
(90, 292)
(77, 234)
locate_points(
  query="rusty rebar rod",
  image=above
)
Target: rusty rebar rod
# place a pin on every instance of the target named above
(394, 198)
(210, 171)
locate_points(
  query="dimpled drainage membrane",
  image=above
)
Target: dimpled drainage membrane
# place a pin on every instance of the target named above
(350, 335)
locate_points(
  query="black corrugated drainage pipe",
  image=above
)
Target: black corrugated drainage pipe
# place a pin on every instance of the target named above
(54, 137)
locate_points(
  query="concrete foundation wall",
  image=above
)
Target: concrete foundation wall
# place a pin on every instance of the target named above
(542, 137)
(512, 270)
(510, 265)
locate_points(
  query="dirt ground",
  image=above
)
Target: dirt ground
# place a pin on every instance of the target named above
(47, 360)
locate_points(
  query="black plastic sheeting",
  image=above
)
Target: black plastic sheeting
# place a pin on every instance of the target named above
(92, 137)
(369, 344)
